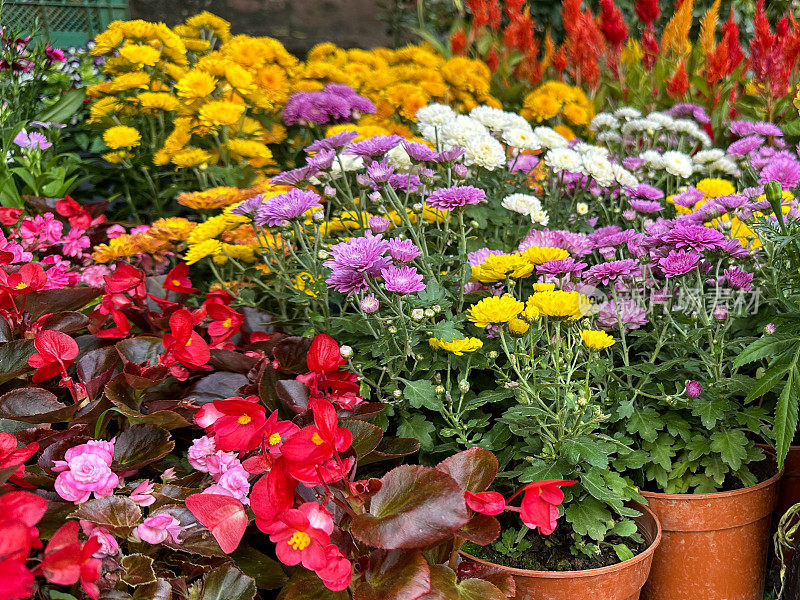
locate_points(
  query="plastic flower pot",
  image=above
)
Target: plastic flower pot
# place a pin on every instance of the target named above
(714, 546)
(789, 489)
(622, 581)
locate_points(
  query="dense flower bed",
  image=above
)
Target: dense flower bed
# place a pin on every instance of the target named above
(371, 314)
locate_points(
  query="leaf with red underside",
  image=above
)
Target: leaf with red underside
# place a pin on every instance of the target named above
(66, 322)
(415, 507)
(481, 529)
(366, 436)
(217, 386)
(494, 574)
(193, 539)
(224, 517)
(228, 360)
(473, 469)
(390, 449)
(266, 387)
(291, 353)
(395, 575)
(34, 405)
(305, 585)
(140, 349)
(141, 445)
(294, 394)
(444, 586)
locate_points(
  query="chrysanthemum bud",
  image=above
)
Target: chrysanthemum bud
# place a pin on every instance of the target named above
(463, 386)
(418, 314)
(346, 351)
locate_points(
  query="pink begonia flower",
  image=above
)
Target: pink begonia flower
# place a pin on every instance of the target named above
(142, 494)
(338, 571)
(59, 276)
(155, 530)
(108, 543)
(233, 482)
(93, 276)
(14, 248)
(75, 242)
(220, 462)
(115, 231)
(40, 231)
(86, 469)
(200, 450)
(140, 229)
(207, 415)
(168, 475)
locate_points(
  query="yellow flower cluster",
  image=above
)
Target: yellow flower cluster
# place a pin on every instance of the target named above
(519, 265)
(557, 99)
(159, 238)
(456, 346)
(557, 304)
(596, 340)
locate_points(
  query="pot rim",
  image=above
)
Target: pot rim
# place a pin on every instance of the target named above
(646, 554)
(715, 495)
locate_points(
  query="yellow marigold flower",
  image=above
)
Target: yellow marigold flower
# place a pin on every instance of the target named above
(495, 309)
(540, 107)
(191, 157)
(102, 108)
(531, 313)
(196, 84)
(158, 101)
(239, 78)
(559, 304)
(544, 287)
(201, 250)
(576, 114)
(121, 136)
(518, 327)
(140, 55)
(106, 41)
(457, 346)
(596, 340)
(276, 134)
(538, 255)
(218, 197)
(129, 81)
(219, 113)
(714, 187)
(497, 267)
(175, 72)
(172, 228)
(116, 157)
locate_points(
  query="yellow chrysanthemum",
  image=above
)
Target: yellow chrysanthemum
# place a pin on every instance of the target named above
(713, 187)
(218, 197)
(559, 304)
(538, 255)
(518, 327)
(302, 282)
(218, 113)
(103, 108)
(158, 101)
(140, 55)
(117, 157)
(129, 81)
(175, 229)
(495, 309)
(121, 136)
(457, 346)
(250, 149)
(201, 250)
(596, 340)
(497, 267)
(191, 157)
(195, 85)
(544, 287)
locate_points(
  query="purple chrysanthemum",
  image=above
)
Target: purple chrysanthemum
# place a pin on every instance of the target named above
(578, 244)
(403, 280)
(450, 155)
(646, 207)
(347, 281)
(631, 314)
(742, 128)
(419, 152)
(693, 389)
(374, 146)
(565, 266)
(322, 160)
(333, 142)
(738, 279)
(291, 205)
(734, 249)
(767, 129)
(365, 253)
(523, 162)
(378, 224)
(403, 250)
(690, 235)
(295, 176)
(688, 198)
(785, 171)
(632, 163)
(379, 172)
(746, 145)
(679, 262)
(455, 197)
(683, 109)
(370, 304)
(248, 207)
(607, 272)
(336, 103)
(405, 182)
(645, 192)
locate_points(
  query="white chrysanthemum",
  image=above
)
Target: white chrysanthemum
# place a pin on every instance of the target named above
(635, 126)
(349, 162)
(665, 121)
(677, 163)
(652, 158)
(624, 177)
(604, 120)
(540, 217)
(523, 204)
(515, 121)
(627, 112)
(399, 159)
(484, 151)
(725, 165)
(609, 136)
(492, 118)
(435, 115)
(590, 150)
(708, 156)
(686, 126)
(599, 168)
(563, 159)
(550, 138)
(523, 139)
(461, 129)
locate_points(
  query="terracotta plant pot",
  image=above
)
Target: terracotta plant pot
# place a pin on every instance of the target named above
(714, 545)
(622, 581)
(789, 494)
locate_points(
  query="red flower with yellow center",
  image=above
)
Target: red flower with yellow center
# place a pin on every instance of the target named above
(316, 443)
(241, 424)
(277, 432)
(177, 280)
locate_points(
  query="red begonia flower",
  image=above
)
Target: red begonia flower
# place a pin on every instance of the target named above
(539, 508)
(56, 352)
(126, 278)
(277, 432)
(241, 425)
(486, 503)
(10, 216)
(29, 278)
(225, 322)
(19, 514)
(16, 581)
(66, 561)
(301, 534)
(185, 344)
(122, 326)
(74, 213)
(178, 281)
(316, 443)
(272, 495)
(324, 355)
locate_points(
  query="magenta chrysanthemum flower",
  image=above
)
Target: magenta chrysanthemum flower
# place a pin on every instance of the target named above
(685, 109)
(631, 314)
(678, 262)
(455, 197)
(365, 253)
(746, 145)
(380, 172)
(644, 192)
(785, 171)
(565, 266)
(738, 279)
(742, 128)
(403, 280)
(688, 198)
(332, 142)
(369, 304)
(646, 207)
(405, 182)
(633, 163)
(374, 146)
(347, 281)
(696, 237)
(248, 207)
(291, 205)
(720, 312)
(767, 129)
(378, 224)
(693, 389)
(336, 103)
(523, 162)
(403, 250)
(577, 244)
(419, 152)
(734, 249)
(607, 272)
(450, 155)
(322, 159)
(731, 201)
(295, 176)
